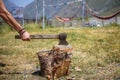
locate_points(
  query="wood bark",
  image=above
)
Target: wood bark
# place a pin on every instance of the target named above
(55, 62)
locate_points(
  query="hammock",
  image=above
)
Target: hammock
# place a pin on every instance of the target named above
(101, 17)
(106, 17)
(62, 19)
(66, 19)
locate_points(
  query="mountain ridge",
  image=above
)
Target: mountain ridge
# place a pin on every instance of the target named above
(102, 7)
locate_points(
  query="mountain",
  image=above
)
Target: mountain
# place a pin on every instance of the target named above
(30, 10)
(9, 5)
(102, 7)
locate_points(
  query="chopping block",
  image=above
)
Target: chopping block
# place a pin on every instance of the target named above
(55, 62)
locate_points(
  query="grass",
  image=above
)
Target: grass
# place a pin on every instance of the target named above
(96, 54)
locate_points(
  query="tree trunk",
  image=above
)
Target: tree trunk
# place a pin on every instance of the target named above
(55, 63)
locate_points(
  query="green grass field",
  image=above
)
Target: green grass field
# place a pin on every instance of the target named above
(96, 54)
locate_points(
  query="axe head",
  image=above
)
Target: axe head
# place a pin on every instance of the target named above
(62, 39)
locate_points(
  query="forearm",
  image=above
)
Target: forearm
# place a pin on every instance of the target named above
(10, 20)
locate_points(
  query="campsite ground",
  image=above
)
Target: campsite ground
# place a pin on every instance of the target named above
(96, 54)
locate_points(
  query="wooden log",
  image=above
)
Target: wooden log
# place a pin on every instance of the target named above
(62, 58)
(55, 62)
(45, 60)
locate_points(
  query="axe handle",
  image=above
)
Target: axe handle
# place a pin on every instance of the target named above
(40, 37)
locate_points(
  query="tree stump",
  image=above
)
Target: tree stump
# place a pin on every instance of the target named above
(55, 62)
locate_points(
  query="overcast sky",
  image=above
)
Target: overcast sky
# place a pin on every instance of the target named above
(21, 3)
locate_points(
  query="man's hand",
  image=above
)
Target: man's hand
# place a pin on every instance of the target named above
(25, 36)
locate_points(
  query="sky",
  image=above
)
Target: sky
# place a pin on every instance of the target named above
(21, 3)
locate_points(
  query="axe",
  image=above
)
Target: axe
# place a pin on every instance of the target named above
(62, 37)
